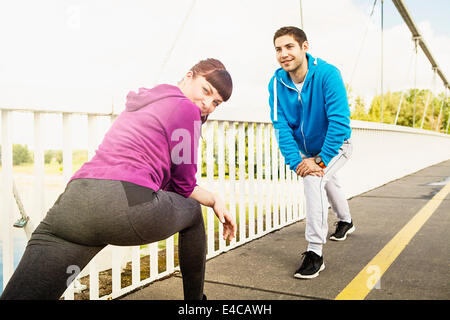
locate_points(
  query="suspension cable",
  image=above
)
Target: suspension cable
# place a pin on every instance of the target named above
(416, 42)
(382, 66)
(186, 18)
(442, 106)
(433, 92)
(301, 15)
(448, 119)
(362, 44)
(429, 95)
(404, 90)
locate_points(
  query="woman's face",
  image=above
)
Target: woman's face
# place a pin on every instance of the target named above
(200, 92)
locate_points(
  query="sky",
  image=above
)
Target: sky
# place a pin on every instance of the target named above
(75, 55)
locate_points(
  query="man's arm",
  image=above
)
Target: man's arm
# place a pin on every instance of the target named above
(283, 132)
(338, 114)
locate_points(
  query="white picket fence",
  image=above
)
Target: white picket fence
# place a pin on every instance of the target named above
(263, 194)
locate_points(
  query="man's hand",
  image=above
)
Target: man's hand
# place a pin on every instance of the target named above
(309, 167)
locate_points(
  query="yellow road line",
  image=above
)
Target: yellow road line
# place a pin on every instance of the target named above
(369, 277)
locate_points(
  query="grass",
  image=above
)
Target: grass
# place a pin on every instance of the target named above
(50, 169)
(53, 168)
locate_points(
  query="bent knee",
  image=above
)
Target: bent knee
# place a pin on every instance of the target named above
(309, 179)
(196, 210)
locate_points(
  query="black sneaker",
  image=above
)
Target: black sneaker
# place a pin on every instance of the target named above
(342, 230)
(311, 266)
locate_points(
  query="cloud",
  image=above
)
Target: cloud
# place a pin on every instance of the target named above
(75, 55)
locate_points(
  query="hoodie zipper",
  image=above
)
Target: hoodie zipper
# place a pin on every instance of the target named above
(301, 102)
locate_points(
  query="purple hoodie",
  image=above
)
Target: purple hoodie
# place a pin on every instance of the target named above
(153, 143)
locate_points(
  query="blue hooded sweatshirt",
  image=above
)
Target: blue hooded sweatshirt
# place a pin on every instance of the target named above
(315, 121)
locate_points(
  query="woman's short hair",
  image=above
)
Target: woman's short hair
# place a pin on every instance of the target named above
(215, 73)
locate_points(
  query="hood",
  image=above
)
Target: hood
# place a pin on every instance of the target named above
(144, 96)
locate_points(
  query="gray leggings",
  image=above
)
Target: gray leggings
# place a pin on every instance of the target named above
(92, 213)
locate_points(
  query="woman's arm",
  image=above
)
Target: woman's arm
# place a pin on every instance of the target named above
(209, 199)
(203, 196)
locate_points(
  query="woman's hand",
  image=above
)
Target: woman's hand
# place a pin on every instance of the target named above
(208, 199)
(229, 226)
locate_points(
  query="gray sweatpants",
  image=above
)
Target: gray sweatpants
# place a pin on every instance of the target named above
(319, 191)
(92, 213)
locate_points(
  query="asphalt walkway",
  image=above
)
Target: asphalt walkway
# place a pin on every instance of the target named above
(264, 268)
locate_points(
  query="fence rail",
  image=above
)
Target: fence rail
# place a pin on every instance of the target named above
(243, 164)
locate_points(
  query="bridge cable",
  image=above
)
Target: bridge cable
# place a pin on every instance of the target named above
(448, 118)
(428, 98)
(382, 66)
(433, 92)
(301, 15)
(180, 30)
(404, 90)
(442, 106)
(416, 42)
(362, 44)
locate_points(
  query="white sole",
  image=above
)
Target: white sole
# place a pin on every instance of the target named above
(300, 276)
(351, 230)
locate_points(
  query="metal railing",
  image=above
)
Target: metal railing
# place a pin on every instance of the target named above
(243, 164)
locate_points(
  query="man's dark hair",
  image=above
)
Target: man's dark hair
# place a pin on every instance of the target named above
(298, 34)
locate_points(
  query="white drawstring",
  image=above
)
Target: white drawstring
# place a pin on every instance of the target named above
(275, 99)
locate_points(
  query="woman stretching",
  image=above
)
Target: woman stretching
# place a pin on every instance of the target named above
(139, 188)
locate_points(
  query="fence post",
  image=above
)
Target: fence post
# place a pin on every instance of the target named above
(67, 146)
(232, 171)
(259, 180)
(251, 180)
(210, 179)
(275, 184)
(267, 179)
(242, 183)
(221, 174)
(282, 187)
(93, 270)
(7, 198)
(39, 167)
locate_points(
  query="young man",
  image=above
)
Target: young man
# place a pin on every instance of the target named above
(311, 117)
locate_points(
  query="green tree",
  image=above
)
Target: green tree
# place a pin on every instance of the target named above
(21, 154)
(79, 156)
(390, 105)
(53, 155)
(359, 110)
(422, 99)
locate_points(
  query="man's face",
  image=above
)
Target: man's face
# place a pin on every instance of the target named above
(290, 55)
